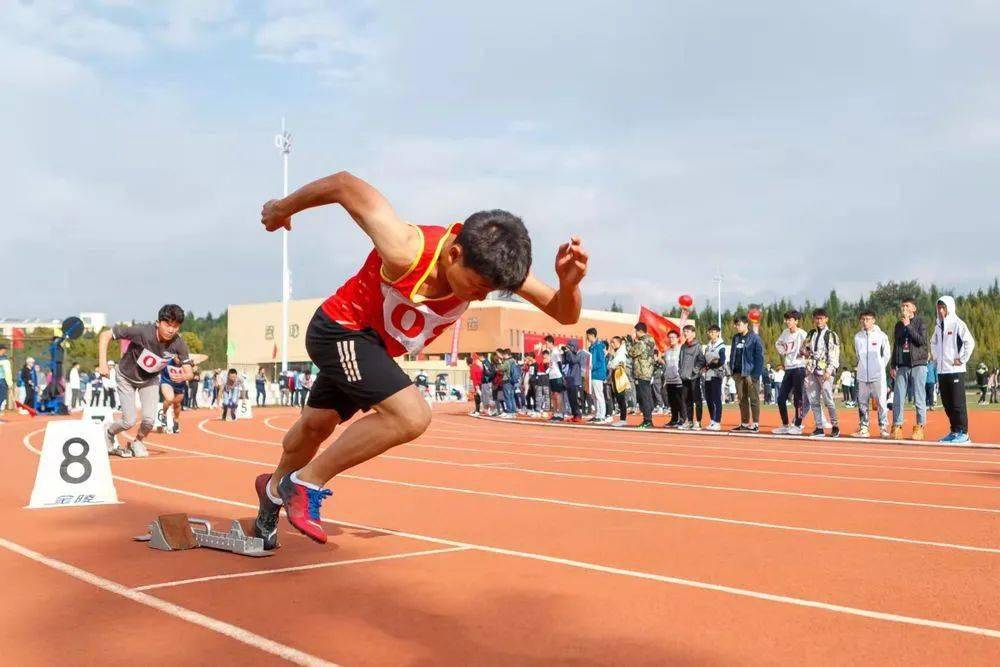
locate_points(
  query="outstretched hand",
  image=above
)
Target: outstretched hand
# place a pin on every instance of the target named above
(273, 218)
(571, 263)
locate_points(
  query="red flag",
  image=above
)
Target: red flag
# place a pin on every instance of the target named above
(658, 326)
(17, 339)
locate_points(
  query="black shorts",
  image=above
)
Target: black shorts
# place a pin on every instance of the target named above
(355, 370)
(556, 385)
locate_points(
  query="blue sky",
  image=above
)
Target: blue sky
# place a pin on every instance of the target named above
(799, 147)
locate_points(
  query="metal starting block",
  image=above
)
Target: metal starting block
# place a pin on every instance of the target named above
(177, 532)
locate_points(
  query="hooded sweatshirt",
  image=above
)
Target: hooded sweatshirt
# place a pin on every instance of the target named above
(952, 341)
(671, 365)
(690, 360)
(574, 363)
(874, 352)
(789, 345)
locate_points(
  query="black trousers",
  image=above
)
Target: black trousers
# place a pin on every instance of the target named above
(793, 383)
(618, 398)
(644, 394)
(953, 399)
(573, 393)
(691, 397)
(678, 415)
(930, 394)
(713, 396)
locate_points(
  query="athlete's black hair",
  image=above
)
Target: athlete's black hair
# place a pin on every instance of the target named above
(592, 331)
(232, 370)
(715, 327)
(689, 327)
(793, 315)
(495, 244)
(171, 313)
(868, 313)
(640, 326)
(550, 339)
(741, 319)
(820, 312)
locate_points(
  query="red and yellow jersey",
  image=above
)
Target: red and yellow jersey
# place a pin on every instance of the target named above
(404, 320)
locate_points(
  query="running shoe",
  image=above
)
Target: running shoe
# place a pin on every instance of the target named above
(686, 426)
(696, 426)
(753, 428)
(266, 524)
(862, 432)
(742, 428)
(818, 433)
(918, 432)
(835, 432)
(794, 430)
(302, 507)
(948, 439)
(961, 439)
(138, 449)
(177, 428)
(715, 426)
(781, 430)
(645, 426)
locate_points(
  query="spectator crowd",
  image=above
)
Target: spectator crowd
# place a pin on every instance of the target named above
(684, 376)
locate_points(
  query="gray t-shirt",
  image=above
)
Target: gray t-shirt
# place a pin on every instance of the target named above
(146, 356)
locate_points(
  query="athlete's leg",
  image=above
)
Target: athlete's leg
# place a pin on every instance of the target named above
(168, 400)
(149, 404)
(302, 441)
(400, 418)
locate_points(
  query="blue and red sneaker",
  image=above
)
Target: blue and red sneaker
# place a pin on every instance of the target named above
(302, 507)
(266, 524)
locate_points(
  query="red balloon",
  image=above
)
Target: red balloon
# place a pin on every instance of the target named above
(753, 315)
(685, 301)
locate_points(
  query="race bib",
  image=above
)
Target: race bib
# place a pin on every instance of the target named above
(150, 362)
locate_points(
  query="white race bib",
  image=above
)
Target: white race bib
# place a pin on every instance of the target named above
(150, 362)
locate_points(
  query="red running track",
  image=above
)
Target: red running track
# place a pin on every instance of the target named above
(498, 543)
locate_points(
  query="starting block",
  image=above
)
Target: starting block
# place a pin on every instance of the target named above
(177, 532)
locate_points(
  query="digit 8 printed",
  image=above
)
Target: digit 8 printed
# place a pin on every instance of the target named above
(69, 459)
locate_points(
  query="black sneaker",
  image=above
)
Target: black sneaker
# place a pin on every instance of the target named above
(266, 524)
(742, 428)
(177, 428)
(753, 428)
(835, 432)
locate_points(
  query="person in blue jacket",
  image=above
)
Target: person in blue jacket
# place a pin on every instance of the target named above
(746, 362)
(598, 374)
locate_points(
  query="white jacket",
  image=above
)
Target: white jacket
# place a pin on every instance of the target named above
(618, 358)
(874, 352)
(952, 341)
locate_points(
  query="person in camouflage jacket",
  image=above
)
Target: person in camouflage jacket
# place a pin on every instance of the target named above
(643, 354)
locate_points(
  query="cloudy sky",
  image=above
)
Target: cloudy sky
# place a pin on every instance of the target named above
(797, 146)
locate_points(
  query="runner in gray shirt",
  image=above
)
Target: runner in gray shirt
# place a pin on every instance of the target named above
(151, 347)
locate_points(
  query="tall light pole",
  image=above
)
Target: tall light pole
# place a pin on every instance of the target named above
(283, 142)
(718, 279)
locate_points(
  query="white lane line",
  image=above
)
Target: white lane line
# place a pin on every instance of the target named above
(832, 448)
(299, 568)
(744, 459)
(656, 464)
(595, 567)
(636, 510)
(215, 625)
(711, 487)
(989, 446)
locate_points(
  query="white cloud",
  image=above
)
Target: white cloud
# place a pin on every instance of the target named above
(69, 27)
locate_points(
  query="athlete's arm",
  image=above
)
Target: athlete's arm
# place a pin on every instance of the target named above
(396, 241)
(102, 352)
(563, 304)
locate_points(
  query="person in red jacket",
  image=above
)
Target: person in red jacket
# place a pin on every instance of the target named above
(476, 378)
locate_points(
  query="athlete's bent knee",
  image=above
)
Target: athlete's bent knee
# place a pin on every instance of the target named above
(415, 421)
(147, 425)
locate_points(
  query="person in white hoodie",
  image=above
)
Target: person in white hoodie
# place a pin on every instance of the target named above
(789, 346)
(874, 353)
(619, 359)
(952, 345)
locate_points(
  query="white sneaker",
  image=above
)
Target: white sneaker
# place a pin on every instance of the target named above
(619, 423)
(862, 432)
(473, 414)
(686, 426)
(696, 426)
(714, 426)
(794, 430)
(110, 441)
(781, 430)
(138, 449)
